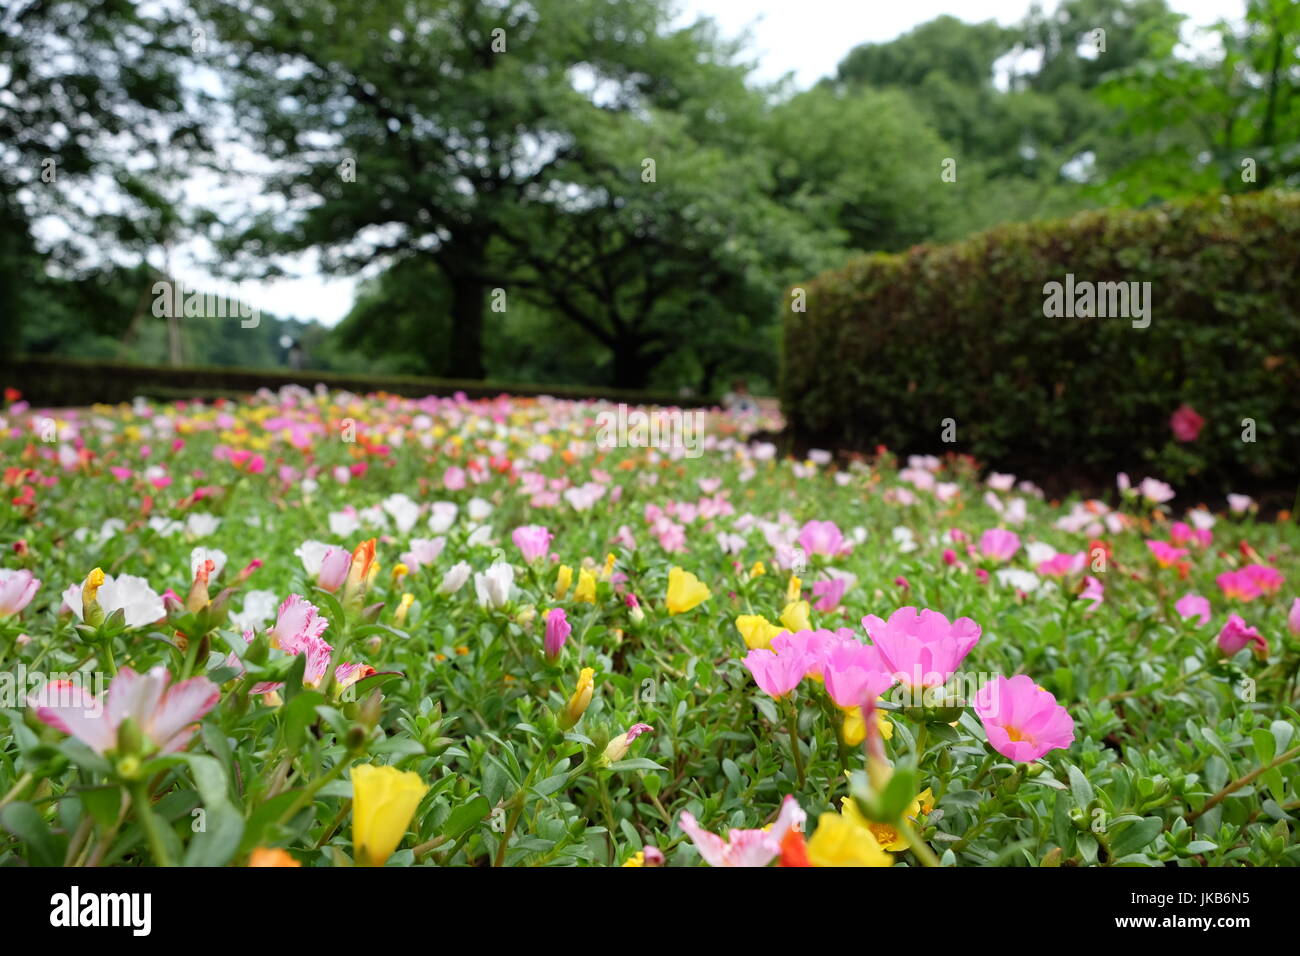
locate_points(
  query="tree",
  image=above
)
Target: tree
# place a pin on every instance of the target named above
(433, 130)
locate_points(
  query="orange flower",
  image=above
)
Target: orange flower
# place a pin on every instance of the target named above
(268, 856)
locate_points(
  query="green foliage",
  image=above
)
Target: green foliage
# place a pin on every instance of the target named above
(892, 345)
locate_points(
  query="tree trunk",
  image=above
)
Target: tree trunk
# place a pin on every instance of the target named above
(466, 356)
(631, 369)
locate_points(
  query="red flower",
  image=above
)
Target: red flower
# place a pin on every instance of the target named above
(1185, 423)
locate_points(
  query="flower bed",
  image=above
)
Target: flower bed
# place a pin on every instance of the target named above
(312, 628)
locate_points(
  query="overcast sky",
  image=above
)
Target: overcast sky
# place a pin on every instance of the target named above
(806, 38)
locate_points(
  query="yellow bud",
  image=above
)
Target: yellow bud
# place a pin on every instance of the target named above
(383, 801)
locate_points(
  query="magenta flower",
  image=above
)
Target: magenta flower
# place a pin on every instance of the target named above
(811, 646)
(1063, 565)
(920, 648)
(1022, 720)
(854, 674)
(1166, 554)
(1293, 619)
(167, 717)
(17, 588)
(744, 847)
(532, 540)
(829, 594)
(1235, 635)
(558, 630)
(821, 537)
(1268, 580)
(998, 544)
(1193, 606)
(1092, 591)
(777, 674)
(1185, 423)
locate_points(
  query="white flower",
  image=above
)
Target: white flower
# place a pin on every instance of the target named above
(110, 528)
(442, 515)
(139, 603)
(1000, 482)
(403, 510)
(479, 537)
(904, 539)
(165, 527)
(455, 578)
(1155, 491)
(344, 524)
(201, 554)
(312, 553)
(1239, 504)
(730, 543)
(1017, 512)
(478, 509)
(1039, 551)
(494, 585)
(1025, 581)
(1201, 519)
(259, 607)
(201, 524)
(423, 551)
(373, 517)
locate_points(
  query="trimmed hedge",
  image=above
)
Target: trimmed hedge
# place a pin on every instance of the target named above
(47, 380)
(892, 345)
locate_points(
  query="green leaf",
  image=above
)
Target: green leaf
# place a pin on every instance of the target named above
(1136, 837)
(24, 821)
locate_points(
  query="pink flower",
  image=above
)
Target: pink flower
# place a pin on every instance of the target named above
(1092, 591)
(1182, 533)
(1185, 423)
(1063, 565)
(1235, 584)
(854, 674)
(1155, 491)
(298, 628)
(1235, 635)
(777, 674)
(1166, 554)
(821, 537)
(1193, 606)
(920, 648)
(17, 588)
(532, 540)
(744, 847)
(811, 646)
(829, 594)
(558, 630)
(1268, 580)
(166, 716)
(999, 544)
(334, 567)
(1022, 720)
(453, 479)
(1293, 619)
(424, 551)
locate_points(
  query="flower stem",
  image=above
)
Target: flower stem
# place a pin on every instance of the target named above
(793, 723)
(153, 825)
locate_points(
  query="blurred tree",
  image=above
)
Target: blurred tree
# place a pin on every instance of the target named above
(87, 89)
(1225, 120)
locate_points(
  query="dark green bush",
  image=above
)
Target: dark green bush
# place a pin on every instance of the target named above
(64, 382)
(892, 345)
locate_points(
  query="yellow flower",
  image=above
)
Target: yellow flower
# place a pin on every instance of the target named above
(854, 730)
(585, 593)
(383, 801)
(795, 616)
(757, 630)
(400, 616)
(757, 570)
(400, 571)
(793, 589)
(577, 705)
(886, 834)
(91, 612)
(840, 841)
(562, 582)
(610, 561)
(636, 859)
(685, 591)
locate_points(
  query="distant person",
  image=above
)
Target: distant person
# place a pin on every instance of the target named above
(738, 401)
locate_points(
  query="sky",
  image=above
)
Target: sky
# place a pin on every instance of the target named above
(803, 38)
